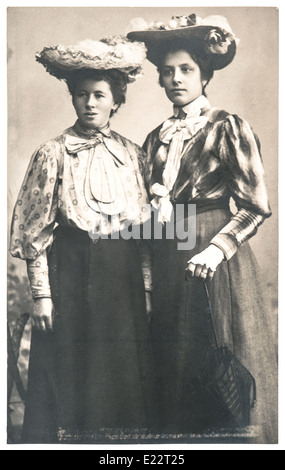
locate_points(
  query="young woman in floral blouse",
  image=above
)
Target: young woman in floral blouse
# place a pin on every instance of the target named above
(90, 372)
(205, 156)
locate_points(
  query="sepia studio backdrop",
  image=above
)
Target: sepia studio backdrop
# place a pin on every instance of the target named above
(40, 108)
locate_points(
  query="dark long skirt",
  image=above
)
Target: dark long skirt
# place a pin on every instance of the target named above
(91, 378)
(181, 342)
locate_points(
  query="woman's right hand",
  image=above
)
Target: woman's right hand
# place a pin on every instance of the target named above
(42, 314)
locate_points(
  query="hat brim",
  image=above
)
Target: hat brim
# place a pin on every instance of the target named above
(61, 61)
(155, 39)
(188, 32)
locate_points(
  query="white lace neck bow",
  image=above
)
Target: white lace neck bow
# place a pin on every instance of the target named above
(174, 132)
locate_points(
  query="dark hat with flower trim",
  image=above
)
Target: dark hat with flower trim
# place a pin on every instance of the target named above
(111, 53)
(213, 35)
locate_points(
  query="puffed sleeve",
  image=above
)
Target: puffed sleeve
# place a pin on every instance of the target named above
(36, 207)
(239, 150)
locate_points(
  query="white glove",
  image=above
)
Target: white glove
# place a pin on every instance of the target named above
(204, 265)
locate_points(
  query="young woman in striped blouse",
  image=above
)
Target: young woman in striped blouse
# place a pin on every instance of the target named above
(205, 156)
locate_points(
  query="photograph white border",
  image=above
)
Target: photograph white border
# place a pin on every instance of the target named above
(3, 185)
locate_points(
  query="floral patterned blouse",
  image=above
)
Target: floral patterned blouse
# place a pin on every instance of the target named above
(80, 179)
(220, 161)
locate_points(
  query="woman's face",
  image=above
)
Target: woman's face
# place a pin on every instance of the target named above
(93, 102)
(181, 78)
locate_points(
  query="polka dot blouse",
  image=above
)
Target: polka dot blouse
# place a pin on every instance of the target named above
(75, 181)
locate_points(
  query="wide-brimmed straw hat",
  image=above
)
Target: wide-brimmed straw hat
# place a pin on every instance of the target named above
(213, 36)
(111, 53)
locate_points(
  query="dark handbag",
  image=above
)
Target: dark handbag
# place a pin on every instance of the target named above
(226, 384)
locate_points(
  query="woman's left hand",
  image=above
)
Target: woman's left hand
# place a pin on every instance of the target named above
(204, 264)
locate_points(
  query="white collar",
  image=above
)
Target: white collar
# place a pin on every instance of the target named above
(195, 108)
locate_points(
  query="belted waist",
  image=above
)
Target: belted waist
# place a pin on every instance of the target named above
(205, 205)
(202, 206)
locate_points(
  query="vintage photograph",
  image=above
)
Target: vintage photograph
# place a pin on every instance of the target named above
(142, 229)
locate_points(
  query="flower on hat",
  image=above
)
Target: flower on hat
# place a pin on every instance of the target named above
(218, 42)
(138, 24)
(90, 48)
